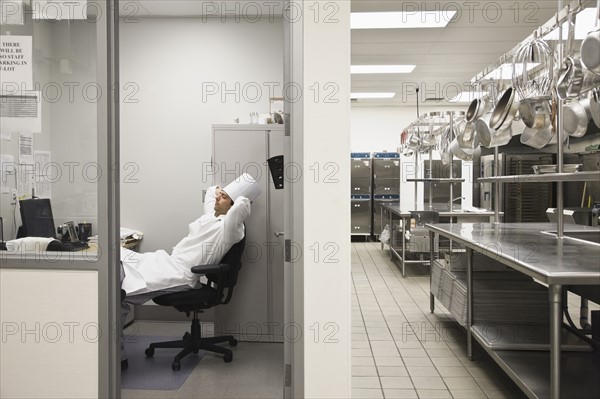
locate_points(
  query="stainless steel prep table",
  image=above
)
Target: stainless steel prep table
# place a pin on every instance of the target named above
(392, 211)
(530, 249)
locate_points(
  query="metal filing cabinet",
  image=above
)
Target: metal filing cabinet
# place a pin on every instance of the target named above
(386, 184)
(258, 298)
(360, 193)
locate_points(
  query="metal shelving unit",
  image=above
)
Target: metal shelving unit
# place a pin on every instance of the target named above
(437, 180)
(557, 365)
(543, 178)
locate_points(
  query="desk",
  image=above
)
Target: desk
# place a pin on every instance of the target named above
(393, 211)
(530, 249)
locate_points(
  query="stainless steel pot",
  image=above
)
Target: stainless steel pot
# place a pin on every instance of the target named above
(576, 116)
(595, 106)
(517, 127)
(590, 47)
(505, 111)
(533, 111)
(537, 138)
(590, 52)
(427, 141)
(444, 145)
(413, 142)
(464, 154)
(571, 78)
(489, 137)
(467, 137)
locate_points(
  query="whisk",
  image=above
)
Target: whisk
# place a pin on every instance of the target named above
(533, 69)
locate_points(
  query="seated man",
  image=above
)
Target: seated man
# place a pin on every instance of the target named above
(147, 275)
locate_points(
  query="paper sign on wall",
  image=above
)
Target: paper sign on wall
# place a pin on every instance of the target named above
(26, 148)
(7, 168)
(16, 71)
(43, 187)
(20, 113)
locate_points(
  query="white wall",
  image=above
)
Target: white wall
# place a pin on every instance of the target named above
(167, 64)
(377, 129)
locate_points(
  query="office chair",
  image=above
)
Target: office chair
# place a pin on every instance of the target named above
(220, 277)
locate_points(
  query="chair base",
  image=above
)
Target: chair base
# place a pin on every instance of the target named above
(192, 343)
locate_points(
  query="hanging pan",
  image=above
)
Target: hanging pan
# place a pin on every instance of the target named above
(590, 47)
(595, 106)
(576, 116)
(505, 110)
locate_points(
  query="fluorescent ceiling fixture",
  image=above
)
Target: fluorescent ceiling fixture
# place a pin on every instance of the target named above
(372, 95)
(393, 20)
(504, 71)
(584, 23)
(467, 96)
(382, 68)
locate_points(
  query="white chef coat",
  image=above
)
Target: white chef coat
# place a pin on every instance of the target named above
(208, 240)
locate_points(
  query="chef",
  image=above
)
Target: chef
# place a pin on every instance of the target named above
(147, 275)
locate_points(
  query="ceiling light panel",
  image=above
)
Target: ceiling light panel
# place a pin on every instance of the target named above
(381, 68)
(372, 95)
(400, 20)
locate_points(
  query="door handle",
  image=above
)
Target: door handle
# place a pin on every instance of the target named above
(279, 233)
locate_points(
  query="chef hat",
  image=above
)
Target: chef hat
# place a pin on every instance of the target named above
(245, 185)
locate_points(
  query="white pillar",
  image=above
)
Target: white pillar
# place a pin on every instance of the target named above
(320, 225)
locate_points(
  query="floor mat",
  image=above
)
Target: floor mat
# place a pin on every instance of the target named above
(156, 372)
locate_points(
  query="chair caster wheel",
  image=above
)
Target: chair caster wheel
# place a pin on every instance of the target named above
(186, 336)
(149, 352)
(228, 357)
(233, 342)
(176, 366)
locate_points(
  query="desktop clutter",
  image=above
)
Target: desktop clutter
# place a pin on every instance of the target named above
(39, 234)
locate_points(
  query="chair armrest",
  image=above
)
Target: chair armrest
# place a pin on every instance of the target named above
(206, 269)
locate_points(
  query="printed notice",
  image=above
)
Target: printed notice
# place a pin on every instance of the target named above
(20, 113)
(26, 148)
(42, 174)
(16, 72)
(7, 168)
(25, 181)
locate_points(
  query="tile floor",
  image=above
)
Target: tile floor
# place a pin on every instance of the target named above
(399, 348)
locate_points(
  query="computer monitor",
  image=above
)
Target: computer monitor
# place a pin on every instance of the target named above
(36, 215)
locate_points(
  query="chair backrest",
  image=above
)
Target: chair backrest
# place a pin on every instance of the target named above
(233, 258)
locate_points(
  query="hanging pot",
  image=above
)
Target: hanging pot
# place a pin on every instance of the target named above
(533, 111)
(427, 141)
(444, 145)
(490, 138)
(517, 127)
(467, 136)
(537, 138)
(462, 153)
(595, 106)
(576, 116)
(590, 47)
(413, 142)
(505, 110)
